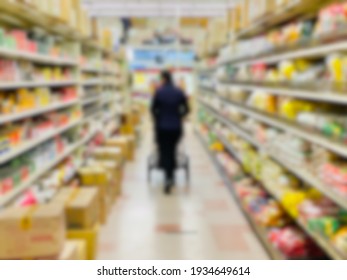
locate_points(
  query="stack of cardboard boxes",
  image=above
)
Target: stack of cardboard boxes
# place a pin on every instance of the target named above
(82, 216)
(68, 227)
(38, 233)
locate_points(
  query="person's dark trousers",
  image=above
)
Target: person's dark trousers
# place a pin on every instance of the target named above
(168, 141)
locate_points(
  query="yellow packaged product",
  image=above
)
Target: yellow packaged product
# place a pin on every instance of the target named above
(32, 233)
(81, 206)
(90, 236)
(287, 70)
(292, 200)
(336, 67)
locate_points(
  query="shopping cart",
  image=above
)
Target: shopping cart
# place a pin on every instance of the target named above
(183, 164)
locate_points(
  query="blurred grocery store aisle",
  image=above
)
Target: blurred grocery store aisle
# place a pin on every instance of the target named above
(200, 223)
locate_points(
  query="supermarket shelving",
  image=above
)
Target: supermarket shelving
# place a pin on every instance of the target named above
(94, 82)
(38, 111)
(272, 57)
(87, 101)
(34, 143)
(320, 240)
(323, 243)
(315, 95)
(315, 48)
(9, 197)
(38, 58)
(282, 124)
(25, 15)
(260, 231)
(91, 69)
(283, 14)
(109, 72)
(300, 171)
(51, 84)
(93, 116)
(226, 143)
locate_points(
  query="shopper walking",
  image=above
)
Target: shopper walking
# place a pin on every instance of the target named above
(169, 108)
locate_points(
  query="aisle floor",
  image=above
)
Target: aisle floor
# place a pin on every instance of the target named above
(202, 222)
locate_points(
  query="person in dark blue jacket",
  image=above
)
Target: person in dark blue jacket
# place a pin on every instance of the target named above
(169, 108)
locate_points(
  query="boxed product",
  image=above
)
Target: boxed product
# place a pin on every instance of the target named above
(93, 175)
(115, 170)
(31, 233)
(81, 206)
(124, 143)
(96, 176)
(109, 153)
(90, 237)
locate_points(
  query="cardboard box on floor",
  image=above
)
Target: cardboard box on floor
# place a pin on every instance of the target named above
(110, 153)
(125, 142)
(81, 206)
(89, 236)
(116, 171)
(97, 176)
(32, 233)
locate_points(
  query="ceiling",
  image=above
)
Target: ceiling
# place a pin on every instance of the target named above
(157, 8)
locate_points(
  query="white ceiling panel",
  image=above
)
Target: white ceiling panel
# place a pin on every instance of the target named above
(157, 8)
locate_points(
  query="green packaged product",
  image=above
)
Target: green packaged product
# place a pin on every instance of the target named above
(342, 216)
(326, 226)
(2, 37)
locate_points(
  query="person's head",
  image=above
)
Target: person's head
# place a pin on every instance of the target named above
(166, 77)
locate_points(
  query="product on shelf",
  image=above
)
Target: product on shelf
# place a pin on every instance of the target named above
(17, 171)
(340, 240)
(293, 243)
(25, 100)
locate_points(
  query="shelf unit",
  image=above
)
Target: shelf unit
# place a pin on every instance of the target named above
(31, 113)
(284, 125)
(260, 231)
(314, 49)
(305, 176)
(36, 142)
(330, 96)
(38, 58)
(300, 172)
(8, 198)
(52, 84)
(22, 16)
(304, 52)
(291, 10)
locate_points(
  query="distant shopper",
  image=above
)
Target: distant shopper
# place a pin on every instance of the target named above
(169, 108)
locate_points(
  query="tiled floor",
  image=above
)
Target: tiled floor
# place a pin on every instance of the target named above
(202, 222)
